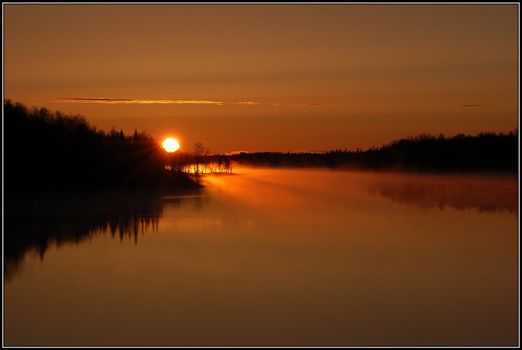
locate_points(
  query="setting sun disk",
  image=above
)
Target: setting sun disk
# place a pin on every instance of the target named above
(170, 144)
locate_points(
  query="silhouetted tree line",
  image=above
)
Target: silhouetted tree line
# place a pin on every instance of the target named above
(209, 164)
(483, 152)
(50, 150)
(200, 162)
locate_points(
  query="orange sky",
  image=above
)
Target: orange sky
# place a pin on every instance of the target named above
(269, 77)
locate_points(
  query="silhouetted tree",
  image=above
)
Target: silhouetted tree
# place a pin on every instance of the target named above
(200, 152)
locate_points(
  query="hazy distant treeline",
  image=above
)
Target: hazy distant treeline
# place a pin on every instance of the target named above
(483, 152)
(44, 149)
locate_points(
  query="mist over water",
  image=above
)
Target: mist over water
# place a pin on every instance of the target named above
(269, 257)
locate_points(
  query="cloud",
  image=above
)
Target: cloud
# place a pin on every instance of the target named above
(113, 101)
(295, 104)
(477, 105)
(247, 103)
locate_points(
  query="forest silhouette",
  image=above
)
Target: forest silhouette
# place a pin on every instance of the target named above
(46, 150)
(485, 152)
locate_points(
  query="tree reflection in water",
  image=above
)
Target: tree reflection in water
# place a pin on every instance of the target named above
(482, 193)
(35, 222)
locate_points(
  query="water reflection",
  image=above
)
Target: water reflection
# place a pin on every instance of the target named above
(485, 194)
(33, 223)
(275, 257)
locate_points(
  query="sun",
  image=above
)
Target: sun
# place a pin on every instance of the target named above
(170, 144)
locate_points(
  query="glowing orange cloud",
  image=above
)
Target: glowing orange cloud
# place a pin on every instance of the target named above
(105, 100)
(95, 100)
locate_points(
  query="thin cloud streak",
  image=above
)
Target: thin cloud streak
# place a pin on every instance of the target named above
(134, 101)
(477, 105)
(113, 101)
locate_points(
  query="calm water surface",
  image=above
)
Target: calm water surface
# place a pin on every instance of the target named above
(271, 257)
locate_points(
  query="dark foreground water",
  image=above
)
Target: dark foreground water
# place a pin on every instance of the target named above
(271, 257)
